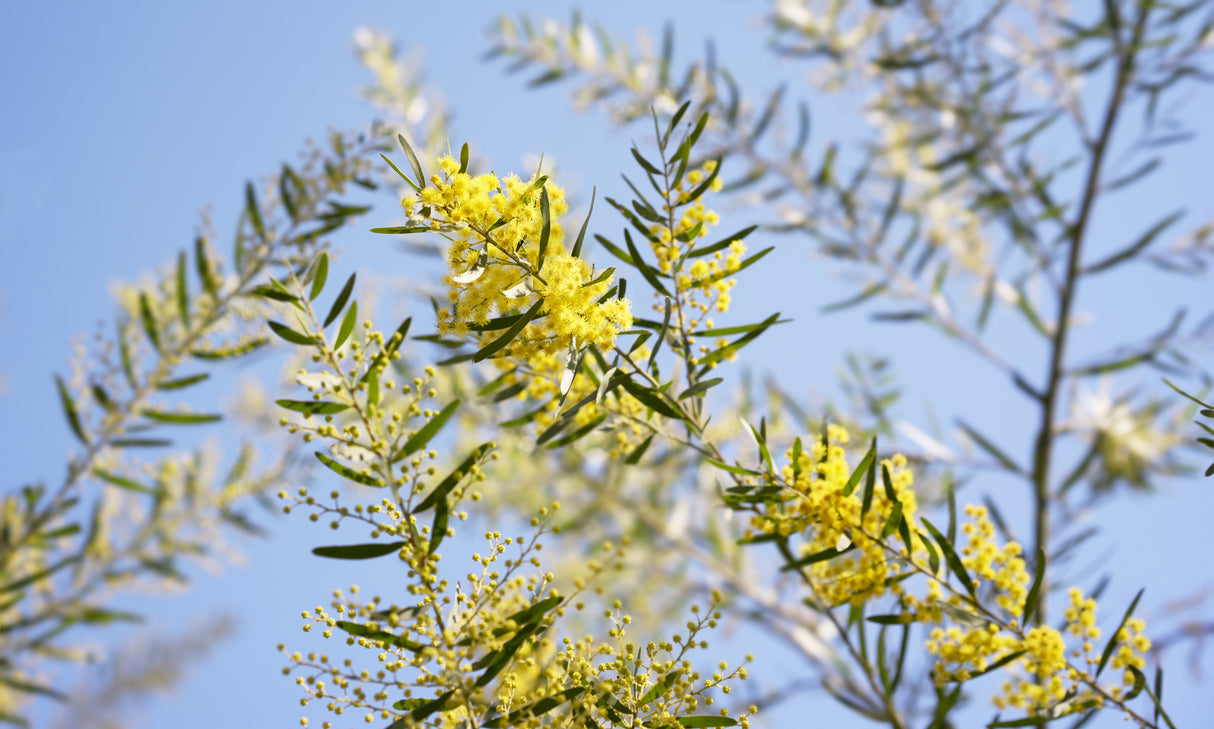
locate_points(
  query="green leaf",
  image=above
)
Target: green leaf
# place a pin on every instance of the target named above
(162, 416)
(501, 342)
(579, 433)
(545, 230)
(125, 483)
(69, 410)
(615, 250)
(650, 275)
(652, 399)
(1113, 641)
(238, 350)
(700, 387)
(349, 473)
(140, 443)
(359, 551)
(726, 351)
(401, 229)
(403, 176)
(203, 265)
(864, 465)
(463, 158)
(270, 292)
(700, 189)
(417, 166)
(290, 334)
(707, 720)
(439, 493)
(1030, 602)
(419, 439)
(340, 302)
(149, 321)
(1137, 246)
(320, 275)
(183, 293)
(873, 289)
(989, 447)
(535, 708)
(634, 457)
(577, 244)
(347, 325)
(313, 407)
(383, 636)
(822, 556)
(254, 213)
(124, 354)
(721, 244)
(954, 562)
(32, 688)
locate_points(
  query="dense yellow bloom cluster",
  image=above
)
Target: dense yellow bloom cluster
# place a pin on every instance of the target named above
(496, 226)
(816, 506)
(978, 638)
(968, 637)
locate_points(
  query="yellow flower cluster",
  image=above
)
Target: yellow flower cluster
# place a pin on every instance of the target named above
(978, 638)
(816, 506)
(496, 226)
(968, 637)
(703, 280)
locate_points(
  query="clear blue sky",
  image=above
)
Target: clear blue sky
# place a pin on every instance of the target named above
(121, 121)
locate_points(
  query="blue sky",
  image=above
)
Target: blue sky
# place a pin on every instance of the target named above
(122, 120)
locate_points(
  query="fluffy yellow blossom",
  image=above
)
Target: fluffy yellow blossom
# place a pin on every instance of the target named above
(496, 227)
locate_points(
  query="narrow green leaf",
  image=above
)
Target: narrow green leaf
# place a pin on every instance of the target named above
(312, 407)
(1113, 641)
(403, 176)
(634, 457)
(647, 272)
(320, 275)
(238, 350)
(149, 321)
(700, 388)
(864, 465)
(203, 265)
(708, 720)
(825, 554)
(359, 551)
(290, 334)
(501, 342)
(347, 325)
(140, 443)
(340, 302)
(545, 230)
(1031, 602)
(989, 447)
(651, 399)
(417, 166)
(183, 293)
(254, 213)
(69, 410)
(270, 292)
(349, 473)
(581, 235)
(32, 688)
(954, 562)
(452, 480)
(383, 636)
(463, 158)
(124, 483)
(423, 436)
(721, 244)
(162, 416)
